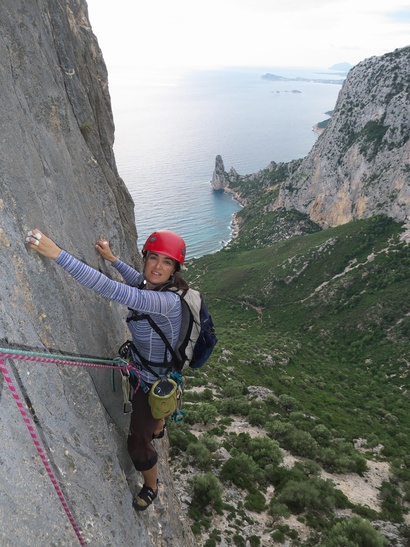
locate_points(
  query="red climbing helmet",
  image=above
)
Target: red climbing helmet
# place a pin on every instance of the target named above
(167, 243)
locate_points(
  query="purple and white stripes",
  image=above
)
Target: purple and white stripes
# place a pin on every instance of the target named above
(164, 307)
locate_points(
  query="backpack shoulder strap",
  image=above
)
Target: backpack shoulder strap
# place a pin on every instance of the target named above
(135, 316)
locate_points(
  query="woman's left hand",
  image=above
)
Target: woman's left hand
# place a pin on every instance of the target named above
(103, 247)
(39, 242)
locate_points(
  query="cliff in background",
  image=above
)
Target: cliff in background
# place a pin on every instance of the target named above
(58, 174)
(360, 165)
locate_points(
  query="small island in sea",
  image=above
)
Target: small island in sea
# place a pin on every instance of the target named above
(275, 78)
(287, 91)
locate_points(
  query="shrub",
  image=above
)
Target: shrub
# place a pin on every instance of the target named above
(335, 460)
(391, 502)
(278, 429)
(355, 532)
(278, 510)
(308, 467)
(242, 471)
(322, 434)
(312, 495)
(214, 539)
(301, 443)
(264, 451)
(206, 493)
(280, 476)
(288, 403)
(180, 437)
(200, 455)
(254, 541)
(232, 388)
(204, 413)
(234, 405)
(207, 395)
(239, 540)
(278, 536)
(210, 442)
(257, 416)
(255, 501)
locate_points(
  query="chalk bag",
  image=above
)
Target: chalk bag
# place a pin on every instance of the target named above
(162, 398)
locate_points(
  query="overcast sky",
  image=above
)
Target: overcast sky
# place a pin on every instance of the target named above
(215, 33)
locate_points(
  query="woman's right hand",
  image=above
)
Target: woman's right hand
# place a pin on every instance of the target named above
(103, 247)
(39, 242)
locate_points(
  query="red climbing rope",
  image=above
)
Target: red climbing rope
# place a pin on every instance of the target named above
(40, 450)
(44, 358)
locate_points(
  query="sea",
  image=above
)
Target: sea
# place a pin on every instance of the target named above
(171, 124)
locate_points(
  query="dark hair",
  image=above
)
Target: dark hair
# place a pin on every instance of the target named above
(179, 282)
(175, 282)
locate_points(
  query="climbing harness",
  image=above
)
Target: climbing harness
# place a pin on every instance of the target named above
(5, 354)
(164, 396)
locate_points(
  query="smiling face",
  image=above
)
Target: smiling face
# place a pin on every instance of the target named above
(158, 269)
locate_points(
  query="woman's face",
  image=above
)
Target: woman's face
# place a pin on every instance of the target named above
(158, 268)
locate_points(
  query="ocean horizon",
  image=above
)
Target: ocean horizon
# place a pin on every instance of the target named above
(171, 125)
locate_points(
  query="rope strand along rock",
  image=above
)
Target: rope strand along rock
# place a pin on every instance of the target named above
(41, 452)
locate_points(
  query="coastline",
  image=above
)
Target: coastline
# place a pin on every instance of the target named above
(318, 130)
(235, 224)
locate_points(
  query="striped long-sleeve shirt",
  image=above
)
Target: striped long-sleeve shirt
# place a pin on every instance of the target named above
(164, 307)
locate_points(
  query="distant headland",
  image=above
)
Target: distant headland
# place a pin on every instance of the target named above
(276, 78)
(339, 69)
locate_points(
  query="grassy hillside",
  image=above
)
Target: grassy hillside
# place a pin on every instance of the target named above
(321, 324)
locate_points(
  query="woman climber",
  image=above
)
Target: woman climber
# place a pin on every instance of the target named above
(146, 292)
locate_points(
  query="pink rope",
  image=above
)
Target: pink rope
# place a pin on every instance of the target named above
(40, 451)
(139, 378)
(55, 361)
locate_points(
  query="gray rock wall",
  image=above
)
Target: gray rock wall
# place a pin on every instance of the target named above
(58, 173)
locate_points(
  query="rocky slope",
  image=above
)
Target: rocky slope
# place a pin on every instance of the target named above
(58, 173)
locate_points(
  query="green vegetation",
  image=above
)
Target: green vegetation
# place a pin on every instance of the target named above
(263, 228)
(305, 403)
(313, 354)
(86, 128)
(323, 124)
(353, 533)
(371, 137)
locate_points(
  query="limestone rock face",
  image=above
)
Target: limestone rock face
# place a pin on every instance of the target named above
(360, 165)
(58, 173)
(219, 176)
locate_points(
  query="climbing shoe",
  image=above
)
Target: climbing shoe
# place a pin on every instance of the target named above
(159, 435)
(144, 498)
